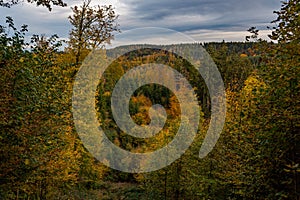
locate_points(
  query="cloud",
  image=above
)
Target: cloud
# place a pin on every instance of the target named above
(39, 19)
(194, 14)
(150, 35)
(220, 35)
(212, 19)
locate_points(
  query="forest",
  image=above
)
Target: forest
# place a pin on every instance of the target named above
(42, 156)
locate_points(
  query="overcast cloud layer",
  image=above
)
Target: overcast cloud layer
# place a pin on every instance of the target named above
(203, 20)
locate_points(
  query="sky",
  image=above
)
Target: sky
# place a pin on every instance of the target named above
(201, 20)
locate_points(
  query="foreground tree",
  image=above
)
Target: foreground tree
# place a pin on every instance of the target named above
(92, 27)
(278, 118)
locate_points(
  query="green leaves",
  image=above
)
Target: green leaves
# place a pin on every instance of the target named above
(47, 3)
(287, 23)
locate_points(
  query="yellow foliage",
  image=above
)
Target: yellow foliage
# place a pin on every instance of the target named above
(143, 100)
(21, 59)
(253, 86)
(107, 94)
(26, 162)
(174, 107)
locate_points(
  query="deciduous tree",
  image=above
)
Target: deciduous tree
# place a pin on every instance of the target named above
(92, 27)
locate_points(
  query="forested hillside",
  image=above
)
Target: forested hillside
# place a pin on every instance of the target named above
(256, 157)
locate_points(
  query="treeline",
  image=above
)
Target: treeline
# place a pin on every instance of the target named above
(256, 157)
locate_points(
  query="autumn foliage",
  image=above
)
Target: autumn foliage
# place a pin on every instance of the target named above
(256, 157)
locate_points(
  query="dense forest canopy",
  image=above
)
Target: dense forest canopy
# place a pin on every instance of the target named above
(42, 156)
